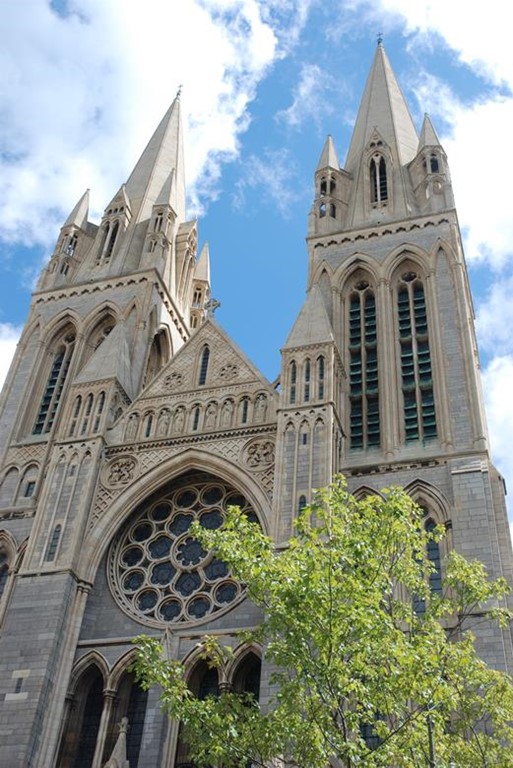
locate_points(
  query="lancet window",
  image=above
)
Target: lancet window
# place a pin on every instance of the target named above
(363, 368)
(293, 382)
(320, 377)
(416, 369)
(55, 384)
(205, 356)
(94, 699)
(378, 180)
(307, 376)
(435, 560)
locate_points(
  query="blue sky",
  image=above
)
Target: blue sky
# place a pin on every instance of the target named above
(83, 83)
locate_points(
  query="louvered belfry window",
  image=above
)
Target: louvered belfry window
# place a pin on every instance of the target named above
(54, 386)
(416, 370)
(363, 368)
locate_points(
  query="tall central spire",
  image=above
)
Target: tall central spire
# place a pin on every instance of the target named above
(384, 108)
(162, 157)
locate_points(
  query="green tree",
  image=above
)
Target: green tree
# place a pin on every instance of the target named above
(361, 677)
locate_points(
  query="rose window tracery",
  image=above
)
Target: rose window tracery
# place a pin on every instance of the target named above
(158, 572)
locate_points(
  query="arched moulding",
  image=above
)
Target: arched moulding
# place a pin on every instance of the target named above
(158, 572)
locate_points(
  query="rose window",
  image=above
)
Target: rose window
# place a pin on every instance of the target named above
(158, 572)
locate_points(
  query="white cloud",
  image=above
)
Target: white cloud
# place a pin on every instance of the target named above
(9, 335)
(494, 318)
(274, 173)
(497, 379)
(310, 101)
(82, 92)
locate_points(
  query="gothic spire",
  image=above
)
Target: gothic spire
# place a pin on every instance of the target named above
(428, 137)
(329, 157)
(79, 214)
(383, 108)
(202, 269)
(151, 177)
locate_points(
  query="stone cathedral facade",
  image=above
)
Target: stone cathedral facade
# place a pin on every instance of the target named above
(128, 413)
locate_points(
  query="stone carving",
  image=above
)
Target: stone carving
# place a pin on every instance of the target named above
(210, 416)
(179, 420)
(121, 471)
(131, 427)
(259, 454)
(228, 371)
(227, 413)
(261, 408)
(173, 380)
(163, 423)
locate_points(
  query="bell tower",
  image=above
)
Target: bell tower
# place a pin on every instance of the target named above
(386, 255)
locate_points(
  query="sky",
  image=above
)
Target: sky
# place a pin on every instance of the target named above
(83, 84)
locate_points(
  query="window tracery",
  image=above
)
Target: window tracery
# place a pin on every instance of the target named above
(363, 367)
(378, 180)
(158, 572)
(416, 370)
(59, 370)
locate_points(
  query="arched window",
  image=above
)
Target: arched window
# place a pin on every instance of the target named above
(82, 737)
(99, 410)
(323, 186)
(416, 373)
(246, 678)
(149, 424)
(203, 682)
(195, 418)
(363, 368)
(378, 180)
(320, 377)
(55, 384)
(293, 382)
(434, 164)
(87, 413)
(307, 374)
(244, 410)
(4, 569)
(111, 241)
(27, 485)
(434, 558)
(433, 554)
(54, 543)
(78, 743)
(131, 702)
(75, 414)
(322, 210)
(301, 503)
(158, 356)
(333, 211)
(205, 355)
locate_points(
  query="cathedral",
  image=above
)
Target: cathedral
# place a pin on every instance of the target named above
(128, 413)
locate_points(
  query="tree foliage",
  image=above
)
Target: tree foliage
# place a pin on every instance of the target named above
(359, 677)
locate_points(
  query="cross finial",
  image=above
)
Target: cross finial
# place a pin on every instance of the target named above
(379, 37)
(211, 306)
(179, 91)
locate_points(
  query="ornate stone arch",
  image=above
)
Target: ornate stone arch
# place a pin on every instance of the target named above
(187, 461)
(345, 274)
(407, 253)
(91, 658)
(364, 491)
(431, 498)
